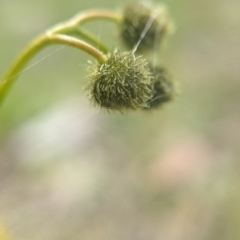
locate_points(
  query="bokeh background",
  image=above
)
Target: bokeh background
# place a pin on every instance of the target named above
(69, 171)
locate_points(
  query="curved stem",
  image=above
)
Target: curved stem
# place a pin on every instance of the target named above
(55, 35)
(96, 14)
(72, 26)
(83, 17)
(91, 39)
(71, 41)
(39, 43)
(19, 63)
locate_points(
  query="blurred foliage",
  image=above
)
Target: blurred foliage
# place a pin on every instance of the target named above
(84, 174)
(3, 235)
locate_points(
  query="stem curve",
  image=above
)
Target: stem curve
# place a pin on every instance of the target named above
(38, 44)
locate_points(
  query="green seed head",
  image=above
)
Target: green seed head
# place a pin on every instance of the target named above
(145, 23)
(122, 82)
(163, 87)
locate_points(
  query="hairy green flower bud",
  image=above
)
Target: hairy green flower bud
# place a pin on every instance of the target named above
(122, 82)
(163, 87)
(143, 26)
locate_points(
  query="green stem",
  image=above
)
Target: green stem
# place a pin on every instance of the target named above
(77, 43)
(96, 14)
(85, 17)
(72, 26)
(39, 43)
(90, 38)
(55, 35)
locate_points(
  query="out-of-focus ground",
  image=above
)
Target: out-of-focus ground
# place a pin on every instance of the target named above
(68, 171)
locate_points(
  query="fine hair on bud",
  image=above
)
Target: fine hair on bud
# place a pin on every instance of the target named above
(122, 82)
(163, 87)
(144, 24)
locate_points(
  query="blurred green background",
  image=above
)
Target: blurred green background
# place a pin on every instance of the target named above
(69, 171)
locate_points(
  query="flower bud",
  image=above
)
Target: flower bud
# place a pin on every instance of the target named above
(143, 26)
(122, 82)
(163, 88)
